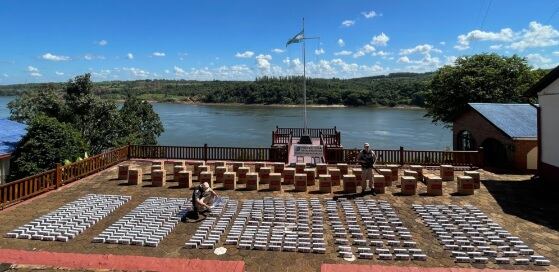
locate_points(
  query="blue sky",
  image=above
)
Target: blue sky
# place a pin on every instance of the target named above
(42, 41)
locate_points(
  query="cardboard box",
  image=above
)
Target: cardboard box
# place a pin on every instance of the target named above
(158, 178)
(408, 185)
(311, 176)
(278, 167)
(434, 185)
(252, 181)
(195, 167)
(350, 184)
(379, 183)
(475, 176)
(236, 166)
(300, 167)
(229, 181)
(321, 169)
(288, 175)
(411, 173)
(258, 165)
(335, 175)
(264, 174)
(387, 173)
(176, 171)
(344, 169)
(219, 163)
(178, 163)
(206, 177)
(242, 174)
(123, 172)
(358, 173)
(275, 182)
(418, 169)
(394, 168)
(219, 172)
(184, 179)
(300, 182)
(325, 183)
(135, 176)
(465, 185)
(447, 172)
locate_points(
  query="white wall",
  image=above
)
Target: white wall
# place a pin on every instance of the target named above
(549, 103)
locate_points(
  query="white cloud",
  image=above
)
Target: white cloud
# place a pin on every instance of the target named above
(130, 56)
(364, 50)
(182, 55)
(158, 54)
(442, 43)
(506, 34)
(167, 71)
(369, 14)
(136, 72)
(341, 42)
(102, 42)
(348, 23)
(537, 58)
(404, 59)
(32, 69)
(556, 53)
(381, 39)
(245, 55)
(101, 74)
(59, 73)
(421, 49)
(36, 74)
(263, 62)
(179, 72)
(5, 75)
(381, 54)
(343, 53)
(278, 50)
(92, 57)
(319, 51)
(496, 46)
(537, 35)
(52, 57)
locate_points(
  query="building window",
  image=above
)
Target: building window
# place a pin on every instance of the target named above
(465, 141)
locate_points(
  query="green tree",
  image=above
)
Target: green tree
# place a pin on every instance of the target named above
(478, 78)
(140, 123)
(24, 108)
(46, 143)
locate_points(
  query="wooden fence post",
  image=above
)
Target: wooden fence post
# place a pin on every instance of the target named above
(128, 157)
(58, 176)
(205, 152)
(481, 157)
(401, 155)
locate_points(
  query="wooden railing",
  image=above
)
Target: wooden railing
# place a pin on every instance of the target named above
(274, 153)
(25, 188)
(313, 132)
(402, 157)
(330, 139)
(281, 138)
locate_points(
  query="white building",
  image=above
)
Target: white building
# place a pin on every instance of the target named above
(10, 134)
(547, 90)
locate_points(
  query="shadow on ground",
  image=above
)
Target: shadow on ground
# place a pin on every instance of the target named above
(530, 200)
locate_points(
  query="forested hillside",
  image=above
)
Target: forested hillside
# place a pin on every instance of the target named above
(390, 90)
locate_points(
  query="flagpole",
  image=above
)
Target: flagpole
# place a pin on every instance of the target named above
(304, 80)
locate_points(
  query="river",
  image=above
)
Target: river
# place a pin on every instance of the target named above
(237, 125)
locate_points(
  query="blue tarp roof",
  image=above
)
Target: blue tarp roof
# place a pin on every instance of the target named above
(515, 120)
(10, 134)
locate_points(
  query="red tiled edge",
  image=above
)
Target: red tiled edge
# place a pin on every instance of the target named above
(116, 262)
(386, 268)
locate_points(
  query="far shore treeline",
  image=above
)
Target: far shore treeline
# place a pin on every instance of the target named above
(387, 90)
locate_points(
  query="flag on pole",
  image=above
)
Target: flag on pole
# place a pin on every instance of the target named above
(297, 38)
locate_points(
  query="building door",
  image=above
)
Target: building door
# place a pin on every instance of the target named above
(495, 154)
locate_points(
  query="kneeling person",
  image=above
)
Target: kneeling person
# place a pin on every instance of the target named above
(203, 198)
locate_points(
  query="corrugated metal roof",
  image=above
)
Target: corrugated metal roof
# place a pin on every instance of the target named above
(515, 120)
(10, 134)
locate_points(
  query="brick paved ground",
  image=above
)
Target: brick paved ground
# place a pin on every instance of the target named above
(526, 209)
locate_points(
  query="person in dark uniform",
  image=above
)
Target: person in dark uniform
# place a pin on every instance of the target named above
(203, 198)
(366, 159)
